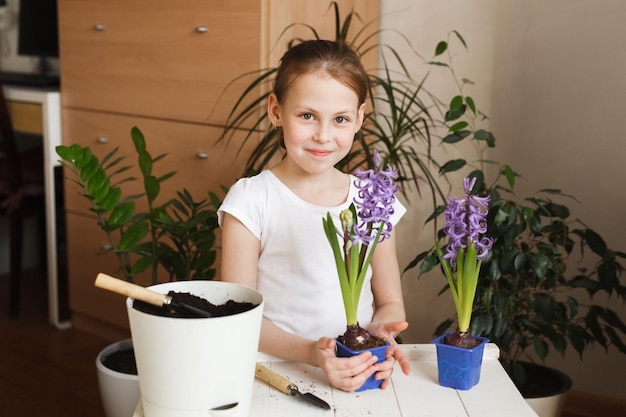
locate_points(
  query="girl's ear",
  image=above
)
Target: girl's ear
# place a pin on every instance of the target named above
(360, 117)
(273, 109)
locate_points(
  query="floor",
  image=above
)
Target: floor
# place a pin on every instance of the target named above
(45, 371)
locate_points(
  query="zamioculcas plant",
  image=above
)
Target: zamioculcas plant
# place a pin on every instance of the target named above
(177, 235)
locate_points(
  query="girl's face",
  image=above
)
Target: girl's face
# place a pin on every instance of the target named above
(319, 116)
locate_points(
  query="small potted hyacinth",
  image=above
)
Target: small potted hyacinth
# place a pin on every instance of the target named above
(363, 225)
(459, 354)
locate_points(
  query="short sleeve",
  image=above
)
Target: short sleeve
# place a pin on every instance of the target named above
(245, 201)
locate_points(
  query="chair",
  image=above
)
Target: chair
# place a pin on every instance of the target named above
(21, 195)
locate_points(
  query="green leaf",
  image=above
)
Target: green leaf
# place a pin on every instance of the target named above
(460, 38)
(458, 126)
(471, 104)
(145, 164)
(121, 213)
(486, 136)
(540, 264)
(454, 114)
(452, 165)
(438, 63)
(132, 236)
(96, 182)
(595, 242)
(482, 324)
(138, 139)
(499, 303)
(500, 326)
(429, 263)
(89, 169)
(68, 153)
(541, 347)
(510, 175)
(153, 187)
(108, 202)
(456, 136)
(83, 156)
(441, 48)
(456, 103)
(99, 194)
(142, 264)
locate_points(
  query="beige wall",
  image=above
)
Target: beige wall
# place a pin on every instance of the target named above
(551, 75)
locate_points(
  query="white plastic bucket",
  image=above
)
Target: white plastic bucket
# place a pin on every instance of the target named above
(119, 391)
(187, 367)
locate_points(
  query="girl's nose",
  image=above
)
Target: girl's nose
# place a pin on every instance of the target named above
(322, 135)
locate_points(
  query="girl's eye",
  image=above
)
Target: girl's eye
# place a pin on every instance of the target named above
(340, 120)
(307, 116)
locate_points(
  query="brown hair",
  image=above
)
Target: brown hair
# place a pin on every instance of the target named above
(337, 59)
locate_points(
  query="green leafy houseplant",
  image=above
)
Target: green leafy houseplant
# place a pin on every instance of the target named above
(535, 289)
(177, 235)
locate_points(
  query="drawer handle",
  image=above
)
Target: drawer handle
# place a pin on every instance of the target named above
(202, 155)
(202, 29)
(99, 27)
(102, 139)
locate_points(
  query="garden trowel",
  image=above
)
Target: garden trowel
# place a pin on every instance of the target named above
(283, 384)
(137, 292)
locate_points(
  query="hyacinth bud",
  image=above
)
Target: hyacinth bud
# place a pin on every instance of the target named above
(347, 220)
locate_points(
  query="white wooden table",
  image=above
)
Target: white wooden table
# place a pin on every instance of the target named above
(414, 395)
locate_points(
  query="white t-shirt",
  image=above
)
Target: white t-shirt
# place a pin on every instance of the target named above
(297, 274)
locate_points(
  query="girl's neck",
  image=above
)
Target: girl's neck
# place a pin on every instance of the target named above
(329, 188)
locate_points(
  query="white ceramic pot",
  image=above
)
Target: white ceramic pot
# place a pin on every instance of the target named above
(119, 392)
(551, 406)
(189, 367)
(550, 402)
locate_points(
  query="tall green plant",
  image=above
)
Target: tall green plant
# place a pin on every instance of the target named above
(177, 235)
(535, 289)
(397, 121)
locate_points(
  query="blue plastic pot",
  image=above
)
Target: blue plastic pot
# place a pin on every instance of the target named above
(380, 352)
(459, 367)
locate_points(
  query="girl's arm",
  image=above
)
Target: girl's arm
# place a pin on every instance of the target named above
(386, 283)
(240, 253)
(389, 314)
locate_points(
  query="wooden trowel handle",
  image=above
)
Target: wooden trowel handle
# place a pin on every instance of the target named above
(131, 290)
(275, 380)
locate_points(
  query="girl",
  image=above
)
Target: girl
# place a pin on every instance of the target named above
(272, 234)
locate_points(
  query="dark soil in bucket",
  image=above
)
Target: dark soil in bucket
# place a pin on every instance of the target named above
(124, 360)
(121, 361)
(542, 381)
(229, 308)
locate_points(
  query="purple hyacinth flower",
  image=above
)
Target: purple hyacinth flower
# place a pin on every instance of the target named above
(465, 222)
(374, 202)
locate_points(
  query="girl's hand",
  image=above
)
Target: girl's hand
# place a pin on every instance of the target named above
(347, 374)
(394, 353)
